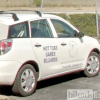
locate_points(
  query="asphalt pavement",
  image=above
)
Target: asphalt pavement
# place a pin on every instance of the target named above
(56, 88)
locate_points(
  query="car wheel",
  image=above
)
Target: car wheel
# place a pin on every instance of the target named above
(93, 65)
(26, 81)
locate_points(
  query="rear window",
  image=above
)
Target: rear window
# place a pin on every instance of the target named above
(19, 31)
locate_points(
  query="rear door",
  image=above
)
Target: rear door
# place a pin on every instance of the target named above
(45, 47)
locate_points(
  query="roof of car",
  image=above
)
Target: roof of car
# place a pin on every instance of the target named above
(7, 18)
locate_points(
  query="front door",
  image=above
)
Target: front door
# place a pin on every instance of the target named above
(72, 47)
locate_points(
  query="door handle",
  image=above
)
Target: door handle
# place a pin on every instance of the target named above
(63, 44)
(38, 45)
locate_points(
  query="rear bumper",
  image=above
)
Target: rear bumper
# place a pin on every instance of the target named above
(8, 71)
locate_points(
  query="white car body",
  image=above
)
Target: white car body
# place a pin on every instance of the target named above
(50, 56)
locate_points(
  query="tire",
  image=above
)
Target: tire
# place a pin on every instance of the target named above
(93, 65)
(26, 81)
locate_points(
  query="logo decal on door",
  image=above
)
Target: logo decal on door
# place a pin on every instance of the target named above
(50, 54)
(73, 49)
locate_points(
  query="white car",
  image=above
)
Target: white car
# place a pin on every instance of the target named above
(35, 47)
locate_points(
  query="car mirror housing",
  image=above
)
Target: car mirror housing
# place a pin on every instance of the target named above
(79, 34)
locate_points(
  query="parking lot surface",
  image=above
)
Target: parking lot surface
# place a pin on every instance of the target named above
(56, 88)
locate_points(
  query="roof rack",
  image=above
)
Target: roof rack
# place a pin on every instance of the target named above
(14, 16)
(37, 12)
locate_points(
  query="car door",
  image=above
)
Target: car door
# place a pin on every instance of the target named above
(45, 47)
(72, 47)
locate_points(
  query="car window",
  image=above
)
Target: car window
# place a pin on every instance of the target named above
(19, 31)
(41, 29)
(62, 29)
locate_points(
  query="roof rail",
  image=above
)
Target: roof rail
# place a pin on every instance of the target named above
(37, 12)
(14, 16)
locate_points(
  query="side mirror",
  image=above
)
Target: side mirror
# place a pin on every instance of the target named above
(79, 35)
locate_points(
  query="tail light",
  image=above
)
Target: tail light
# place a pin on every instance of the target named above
(5, 46)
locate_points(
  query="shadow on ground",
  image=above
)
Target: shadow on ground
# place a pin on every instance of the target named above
(58, 80)
(6, 90)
